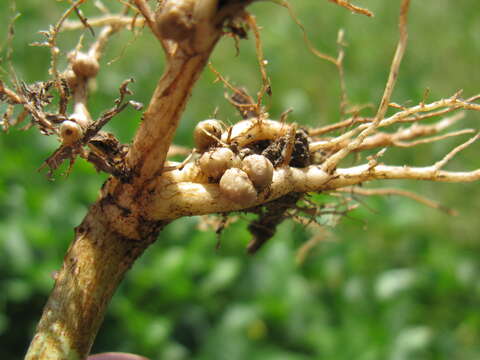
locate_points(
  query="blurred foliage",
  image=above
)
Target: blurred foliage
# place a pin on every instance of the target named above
(394, 280)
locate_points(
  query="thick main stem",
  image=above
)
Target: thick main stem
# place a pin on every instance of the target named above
(116, 230)
(93, 267)
(160, 121)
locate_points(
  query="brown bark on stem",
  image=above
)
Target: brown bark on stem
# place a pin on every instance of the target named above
(93, 267)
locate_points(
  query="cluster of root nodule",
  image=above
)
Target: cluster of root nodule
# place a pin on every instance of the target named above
(242, 159)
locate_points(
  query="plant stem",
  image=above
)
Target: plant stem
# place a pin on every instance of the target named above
(115, 231)
(94, 265)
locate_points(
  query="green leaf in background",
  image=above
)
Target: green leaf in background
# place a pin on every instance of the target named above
(393, 280)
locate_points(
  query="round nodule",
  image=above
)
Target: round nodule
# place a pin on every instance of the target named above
(70, 132)
(237, 187)
(206, 134)
(84, 65)
(215, 162)
(174, 19)
(259, 169)
(71, 78)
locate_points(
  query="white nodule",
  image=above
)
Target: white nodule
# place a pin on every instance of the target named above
(70, 132)
(215, 162)
(259, 169)
(237, 187)
(207, 133)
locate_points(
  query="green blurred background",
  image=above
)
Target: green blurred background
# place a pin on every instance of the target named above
(394, 280)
